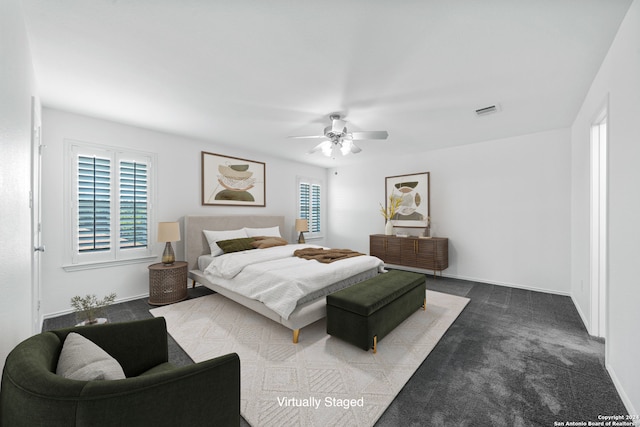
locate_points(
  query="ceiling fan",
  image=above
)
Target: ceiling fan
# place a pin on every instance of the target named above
(337, 138)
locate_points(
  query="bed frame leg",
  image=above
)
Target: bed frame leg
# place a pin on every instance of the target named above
(296, 334)
(375, 344)
(424, 304)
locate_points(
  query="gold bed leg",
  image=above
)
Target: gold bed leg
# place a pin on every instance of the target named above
(424, 304)
(296, 334)
(375, 344)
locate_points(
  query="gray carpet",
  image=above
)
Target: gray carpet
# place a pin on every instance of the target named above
(512, 358)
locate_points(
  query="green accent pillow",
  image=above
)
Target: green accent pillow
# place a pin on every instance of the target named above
(236, 245)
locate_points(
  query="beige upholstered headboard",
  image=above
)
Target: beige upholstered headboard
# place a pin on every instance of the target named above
(195, 242)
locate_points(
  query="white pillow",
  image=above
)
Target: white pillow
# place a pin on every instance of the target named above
(268, 232)
(214, 236)
(83, 360)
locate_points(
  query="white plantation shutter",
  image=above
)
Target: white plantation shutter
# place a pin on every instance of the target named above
(112, 198)
(309, 204)
(94, 204)
(304, 200)
(133, 204)
(314, 209)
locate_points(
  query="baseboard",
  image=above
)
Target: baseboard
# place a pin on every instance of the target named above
(71, 310)
(481, 280)
(510, 285)
(623, 396)
(581, 314)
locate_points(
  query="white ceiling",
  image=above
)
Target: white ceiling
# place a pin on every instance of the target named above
(249, 73)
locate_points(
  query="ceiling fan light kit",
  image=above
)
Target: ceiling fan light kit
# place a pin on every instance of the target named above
(338, 139)
(338, 127)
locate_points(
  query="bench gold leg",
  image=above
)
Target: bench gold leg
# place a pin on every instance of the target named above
(296, 334)
(424, 304)
(375, 344)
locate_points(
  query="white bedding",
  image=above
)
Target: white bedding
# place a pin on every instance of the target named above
(204, 261)
(277, 278)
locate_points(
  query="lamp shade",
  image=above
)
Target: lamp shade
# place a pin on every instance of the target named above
(168, 232)
(302, 225)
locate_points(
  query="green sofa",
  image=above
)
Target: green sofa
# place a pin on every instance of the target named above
(154, 392)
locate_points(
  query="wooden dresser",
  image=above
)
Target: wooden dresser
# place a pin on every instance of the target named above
(428, 254)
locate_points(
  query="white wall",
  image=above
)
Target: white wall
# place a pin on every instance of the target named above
(504, 205)
(17, 85)
(178, 194)
(619, 78)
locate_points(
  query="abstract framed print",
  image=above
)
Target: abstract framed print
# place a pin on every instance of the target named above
(232, 181)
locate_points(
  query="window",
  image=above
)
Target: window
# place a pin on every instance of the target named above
(110, 194)
(310, 204)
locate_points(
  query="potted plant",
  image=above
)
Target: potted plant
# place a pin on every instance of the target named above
(89, 308)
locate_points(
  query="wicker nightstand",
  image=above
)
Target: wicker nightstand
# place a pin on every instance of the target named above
(167, 283)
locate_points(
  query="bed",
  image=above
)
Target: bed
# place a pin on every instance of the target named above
(198, 257)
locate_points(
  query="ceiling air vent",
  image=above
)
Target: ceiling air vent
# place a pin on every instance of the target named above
(487, 110)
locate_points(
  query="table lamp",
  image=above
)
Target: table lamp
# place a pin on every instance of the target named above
(168, 232)
(302, 225)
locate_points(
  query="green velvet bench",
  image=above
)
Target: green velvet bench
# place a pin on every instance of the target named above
(364, 313)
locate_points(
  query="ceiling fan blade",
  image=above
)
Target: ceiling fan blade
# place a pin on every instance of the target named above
(307, 137)
(355, 149)
(372, 134)
(318, 147)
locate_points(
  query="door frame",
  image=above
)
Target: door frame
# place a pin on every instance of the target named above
(36, 213)
(599, 139)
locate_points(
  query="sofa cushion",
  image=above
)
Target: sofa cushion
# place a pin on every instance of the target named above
(81, 359)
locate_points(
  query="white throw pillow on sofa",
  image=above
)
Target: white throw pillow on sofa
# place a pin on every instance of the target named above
(83, 360)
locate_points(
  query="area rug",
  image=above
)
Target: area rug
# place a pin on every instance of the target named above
(322, 380)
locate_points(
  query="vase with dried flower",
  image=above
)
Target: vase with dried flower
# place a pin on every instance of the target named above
(89, 308)
(427, 230)
(389, 212)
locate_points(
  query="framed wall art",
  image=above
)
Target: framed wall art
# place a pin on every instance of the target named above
(413, 191)
(232, 181)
